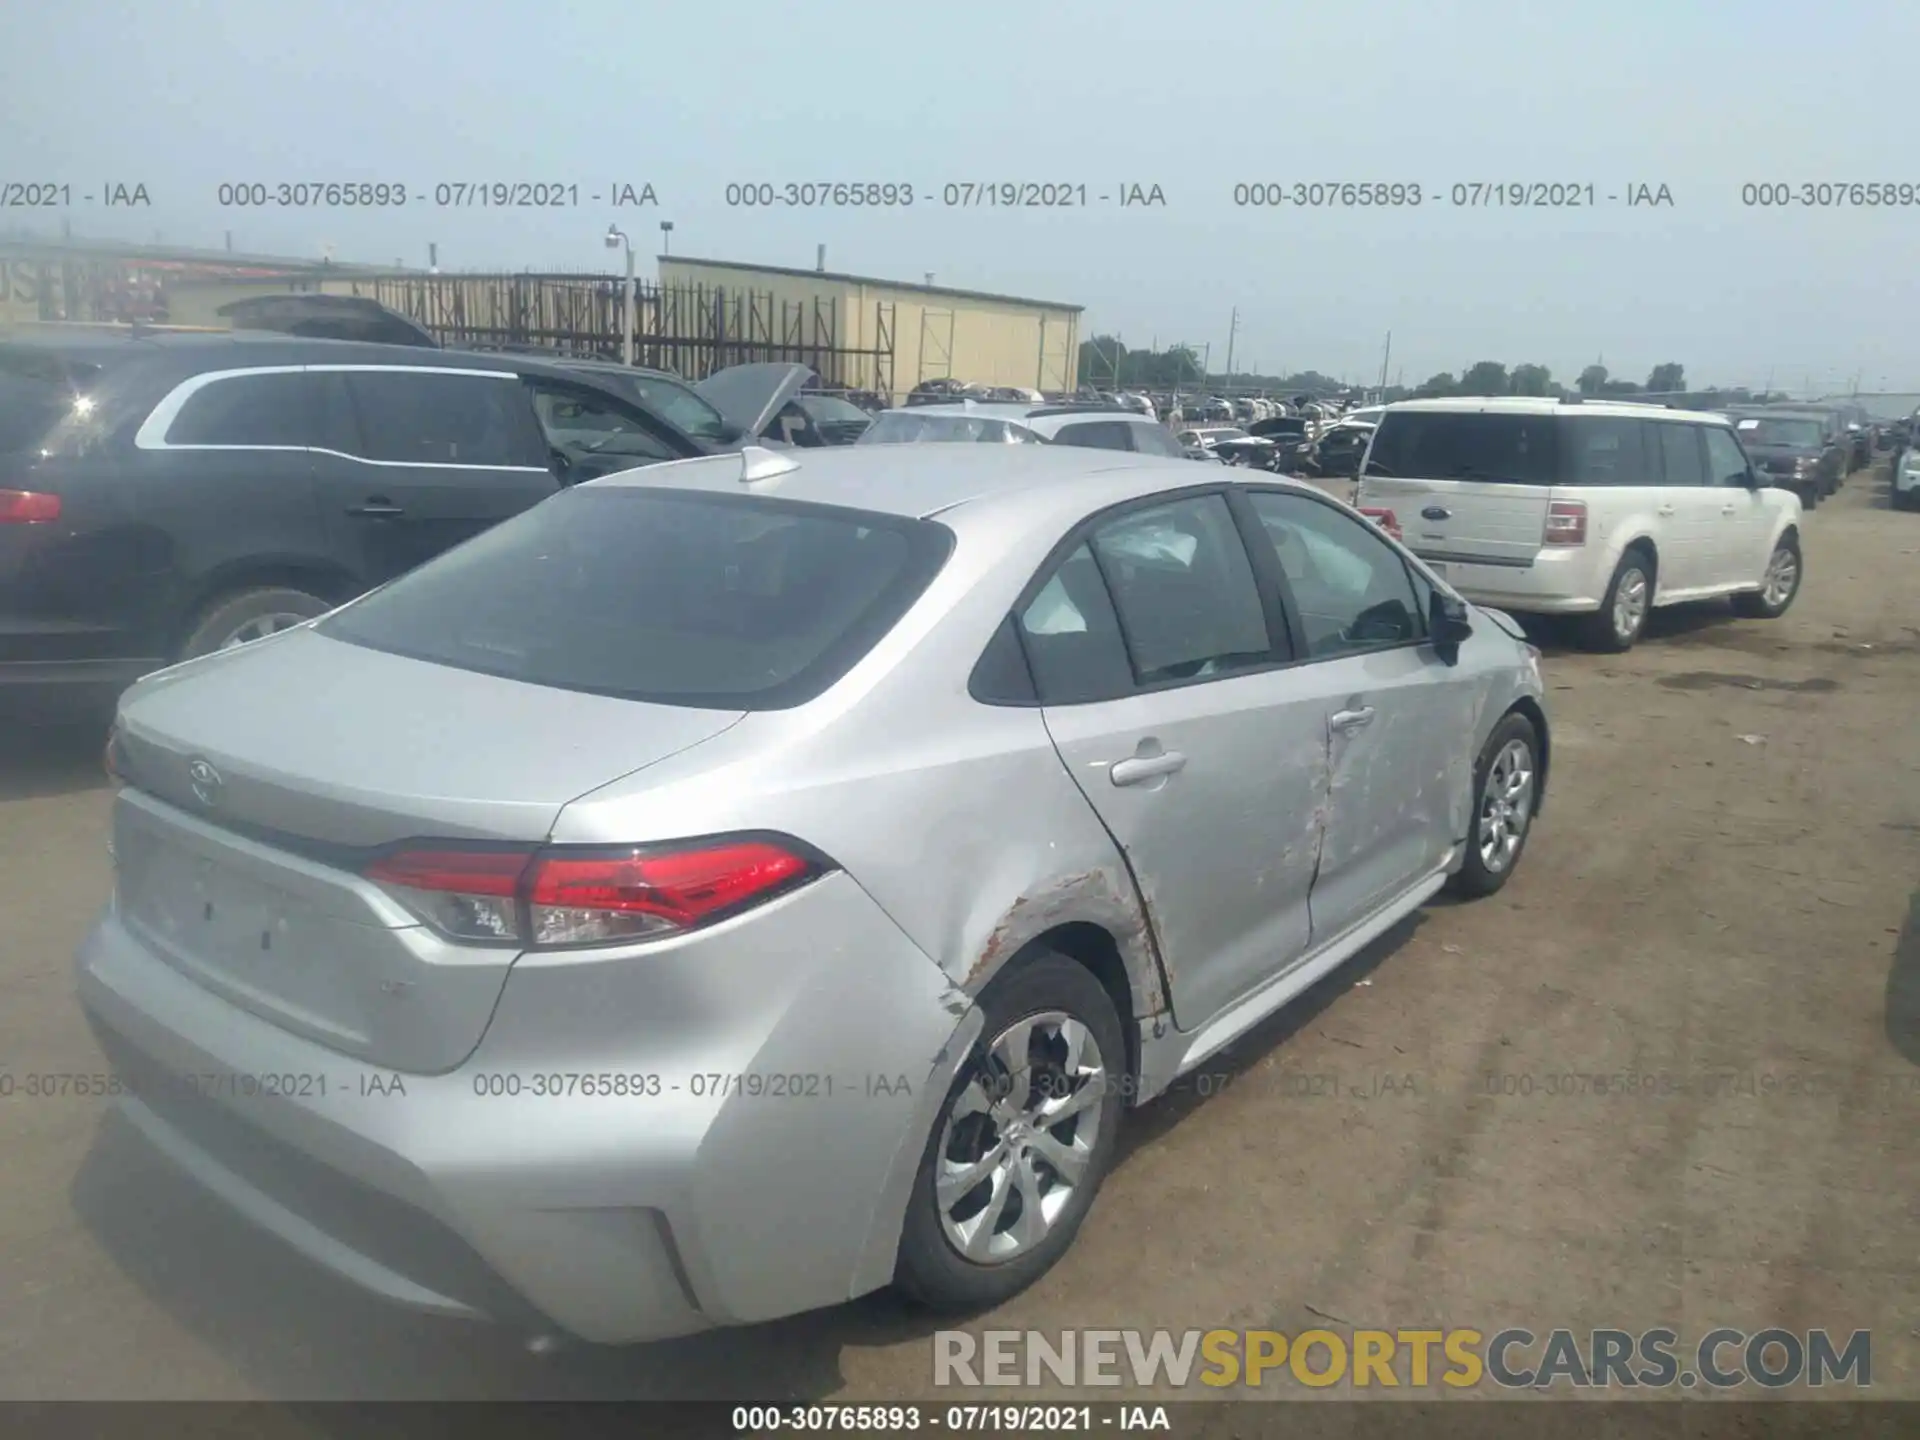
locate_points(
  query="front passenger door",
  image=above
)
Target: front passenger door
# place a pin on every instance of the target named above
(1745, 529)
(1398, 720)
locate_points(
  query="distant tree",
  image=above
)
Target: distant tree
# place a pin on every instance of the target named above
(1620, 387)
(1486, 377)
(1441, 384)
(1667, 378)
(1593, 380)
(1531, 380)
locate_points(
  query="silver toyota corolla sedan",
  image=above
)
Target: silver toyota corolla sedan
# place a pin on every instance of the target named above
(737, 885)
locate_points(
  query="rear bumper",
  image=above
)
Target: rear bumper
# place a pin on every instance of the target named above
(757, 1162)
(1556, 582)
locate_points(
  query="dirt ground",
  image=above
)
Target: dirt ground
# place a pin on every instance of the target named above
(1722, 891)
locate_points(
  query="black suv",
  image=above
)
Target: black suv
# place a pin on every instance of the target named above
(163, 495)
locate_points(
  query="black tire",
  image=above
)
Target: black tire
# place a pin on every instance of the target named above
(1754, 604)
(229, 615)
(1482, 874)
(930, 1269)
(1902, 499)
(1600, 631)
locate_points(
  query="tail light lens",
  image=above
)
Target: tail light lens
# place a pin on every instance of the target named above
(1384, 518)
(1566, 523)
(28, 507)
(565, 896)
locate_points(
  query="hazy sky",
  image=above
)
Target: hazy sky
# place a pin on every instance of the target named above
(1193, 97)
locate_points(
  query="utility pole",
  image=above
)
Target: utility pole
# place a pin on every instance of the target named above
(1233, 326)
(1388, 355)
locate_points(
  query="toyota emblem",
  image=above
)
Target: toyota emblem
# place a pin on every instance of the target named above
(205, 780)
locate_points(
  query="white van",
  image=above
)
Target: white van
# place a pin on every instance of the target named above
(1562, 507)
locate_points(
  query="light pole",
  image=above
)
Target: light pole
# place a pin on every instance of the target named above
(616, 239)
(666, 237)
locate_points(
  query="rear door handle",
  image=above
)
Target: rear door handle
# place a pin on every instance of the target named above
(376, 509)
(1665, 510)
(1730, 510)
(1347, 721)
(1142, 768)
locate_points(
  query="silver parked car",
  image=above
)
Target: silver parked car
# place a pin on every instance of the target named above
(739, 884)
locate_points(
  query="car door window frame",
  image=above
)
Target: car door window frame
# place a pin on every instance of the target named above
(1418, 583)
(152, 432)
(360, 425)
(1739, 480)
(634, 414)
(988, 683)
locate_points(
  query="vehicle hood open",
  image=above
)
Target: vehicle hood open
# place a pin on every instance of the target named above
(749, 396)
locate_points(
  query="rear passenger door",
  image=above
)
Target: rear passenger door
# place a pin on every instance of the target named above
(1156, 659)
(421, 459)
(227, 477)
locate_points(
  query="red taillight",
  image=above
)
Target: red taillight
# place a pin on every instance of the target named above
(584, 897)
(577, 899)
(1384, 518)
(1566, 523)
(28, 507)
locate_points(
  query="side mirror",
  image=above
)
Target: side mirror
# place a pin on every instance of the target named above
(1449, 625)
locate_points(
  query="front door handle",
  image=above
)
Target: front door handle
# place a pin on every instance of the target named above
(1347, 721)
(1730, 510)
(376, 508)
(1665, 510)
(1142, 768)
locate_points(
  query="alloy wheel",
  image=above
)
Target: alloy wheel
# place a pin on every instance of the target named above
(1019, 1136)
(1783, 573)
(262, 626)
(1506, 805)
(1630, 604)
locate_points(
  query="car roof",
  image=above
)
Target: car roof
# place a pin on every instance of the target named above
(189, 350)
(1546, 405)
(1037, 484)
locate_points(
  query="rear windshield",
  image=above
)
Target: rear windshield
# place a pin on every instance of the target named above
(897, 428)
(1464, 445)
(722, 602)
(1769, 430)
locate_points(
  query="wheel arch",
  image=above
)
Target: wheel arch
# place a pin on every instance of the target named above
(1097, 950)
(329, 582)
(1536, 716)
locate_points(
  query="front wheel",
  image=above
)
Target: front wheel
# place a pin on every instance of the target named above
(1021, 1145)
(1506, 788)
(1778, 587)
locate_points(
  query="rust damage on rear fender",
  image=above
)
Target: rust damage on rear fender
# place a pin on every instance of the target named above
(1104, 897)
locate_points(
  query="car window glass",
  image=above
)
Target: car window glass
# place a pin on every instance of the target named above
(681, 406)
(1184, 590)
(1602, 450)
(1350, 587)
(1096, 435)
(1680, 454)
(423, 418)
(1464, 445)
(1726, 462)
(279, 410)
(1072, 636)
(593, 434)
(1156, 440)
(729, 602)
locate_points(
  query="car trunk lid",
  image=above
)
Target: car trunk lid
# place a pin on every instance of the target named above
(1466, 487)
(257, 794)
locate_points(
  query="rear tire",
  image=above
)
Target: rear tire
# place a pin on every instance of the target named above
(1785, 570)
(1506, 790)
(246, 615)
(988, 1096)
(1623, 612)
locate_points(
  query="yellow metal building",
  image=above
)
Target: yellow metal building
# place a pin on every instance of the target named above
(934, 332)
